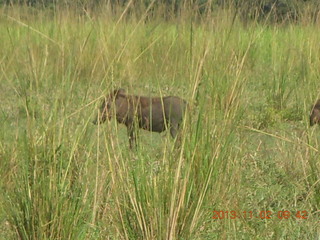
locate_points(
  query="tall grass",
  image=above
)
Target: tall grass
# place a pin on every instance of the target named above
(245, 145)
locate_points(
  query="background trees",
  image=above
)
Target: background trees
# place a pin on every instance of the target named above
(272, 11)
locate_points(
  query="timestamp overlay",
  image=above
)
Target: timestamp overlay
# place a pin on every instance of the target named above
(263, 214)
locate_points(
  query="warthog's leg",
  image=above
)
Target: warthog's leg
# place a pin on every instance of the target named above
(131, 135)
(174, 131)
(174, 128)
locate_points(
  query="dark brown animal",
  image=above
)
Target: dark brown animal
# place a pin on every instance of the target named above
(153, 114)
(315, 114)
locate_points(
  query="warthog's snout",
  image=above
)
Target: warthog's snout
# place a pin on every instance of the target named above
(105, 108)
(315, 114)
(99, 119)
(96, 119)
(153, 114)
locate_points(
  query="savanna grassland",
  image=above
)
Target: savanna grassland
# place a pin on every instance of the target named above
(246, 145)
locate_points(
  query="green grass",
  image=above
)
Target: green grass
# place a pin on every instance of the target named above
(246, 144)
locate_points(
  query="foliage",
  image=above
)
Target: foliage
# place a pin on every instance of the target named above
(271, 11)
(245, 146)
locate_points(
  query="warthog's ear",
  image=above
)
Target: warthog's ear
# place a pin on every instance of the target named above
(119, 91)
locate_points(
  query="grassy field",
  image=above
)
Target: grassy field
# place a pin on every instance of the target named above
(246, 145)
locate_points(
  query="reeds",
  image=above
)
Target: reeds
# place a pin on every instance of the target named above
(245, 145)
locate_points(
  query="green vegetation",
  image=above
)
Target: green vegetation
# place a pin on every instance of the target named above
(246, 144)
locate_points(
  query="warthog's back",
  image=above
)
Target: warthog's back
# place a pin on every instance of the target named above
(158, 113)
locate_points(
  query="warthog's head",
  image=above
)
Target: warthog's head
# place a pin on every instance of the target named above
(315, 114)
(105, 110)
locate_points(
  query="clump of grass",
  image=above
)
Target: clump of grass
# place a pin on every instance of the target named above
(245, 145)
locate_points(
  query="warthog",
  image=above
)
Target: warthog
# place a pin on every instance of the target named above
(315, 114)
(155, 114)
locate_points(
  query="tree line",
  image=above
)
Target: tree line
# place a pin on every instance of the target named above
(261, 10)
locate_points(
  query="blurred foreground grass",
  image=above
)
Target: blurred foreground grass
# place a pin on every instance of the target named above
(246, 142)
